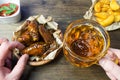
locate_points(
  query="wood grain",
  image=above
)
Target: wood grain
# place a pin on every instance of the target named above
(64, 12)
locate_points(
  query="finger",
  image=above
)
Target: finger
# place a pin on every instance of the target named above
(110, 67)
(110, 55)
(111, 76)
(115, 51)
(8, 63)
(20, 66)
(3, 40)
(6, 49)
(15, 44)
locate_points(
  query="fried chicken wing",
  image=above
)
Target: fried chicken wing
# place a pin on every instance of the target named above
(37, 48)
(29, 34)
(33, 30)
(45, 33)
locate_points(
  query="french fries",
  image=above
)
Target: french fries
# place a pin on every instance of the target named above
(107, 12)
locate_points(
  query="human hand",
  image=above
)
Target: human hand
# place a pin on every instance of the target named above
(108, 64)
(6, 48)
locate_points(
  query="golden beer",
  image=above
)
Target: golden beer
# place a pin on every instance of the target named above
(85, 42)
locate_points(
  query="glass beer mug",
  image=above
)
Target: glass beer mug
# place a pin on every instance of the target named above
(85, 42)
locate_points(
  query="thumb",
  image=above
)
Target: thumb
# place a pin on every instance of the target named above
(19, 68)
(110, 67)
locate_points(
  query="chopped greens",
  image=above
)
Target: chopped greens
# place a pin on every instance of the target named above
(12, 6)
(7, 9)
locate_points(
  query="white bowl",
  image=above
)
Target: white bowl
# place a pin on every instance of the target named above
(12, 18)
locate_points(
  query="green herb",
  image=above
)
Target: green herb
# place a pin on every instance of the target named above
(8, 9)
(4, 8)
(13, 6)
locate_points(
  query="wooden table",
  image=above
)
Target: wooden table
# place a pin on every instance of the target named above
(63, 11)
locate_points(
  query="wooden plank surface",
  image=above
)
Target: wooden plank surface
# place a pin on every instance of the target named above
(63, 11)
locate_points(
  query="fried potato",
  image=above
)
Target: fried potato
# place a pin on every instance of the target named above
(107, 21)
(105, 1)
(117, 18)
(102, 15)
(97, 7)
(114, 5)
(107, 12)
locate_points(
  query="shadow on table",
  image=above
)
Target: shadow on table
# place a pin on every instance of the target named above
(25, 12)
(26, 73)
